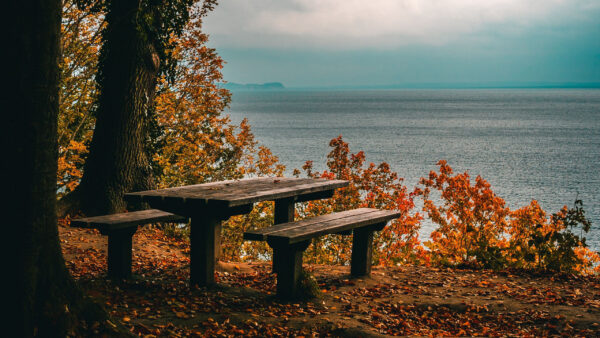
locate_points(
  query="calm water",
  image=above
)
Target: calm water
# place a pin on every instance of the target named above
(529, 144)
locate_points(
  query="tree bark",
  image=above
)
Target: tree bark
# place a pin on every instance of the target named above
(41, 297)
(128, 69)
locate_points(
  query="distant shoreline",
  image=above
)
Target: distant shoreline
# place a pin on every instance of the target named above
(456, 86)
(269, 86)
(277, 86)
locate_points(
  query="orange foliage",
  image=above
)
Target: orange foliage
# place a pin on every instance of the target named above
(233, 246)
(588, 261)
(70, 165)
(471, 219)
(197, 140)
(372, 186)
(476, 228)
(198, 144)
(80, 42)
(541, 242)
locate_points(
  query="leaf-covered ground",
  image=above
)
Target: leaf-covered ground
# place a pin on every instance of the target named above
(407, 300)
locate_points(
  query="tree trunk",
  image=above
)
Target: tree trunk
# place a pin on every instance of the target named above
(41, 298)
(128, 68)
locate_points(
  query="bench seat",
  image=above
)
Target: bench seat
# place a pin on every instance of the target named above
(120, 229)
(289, 240)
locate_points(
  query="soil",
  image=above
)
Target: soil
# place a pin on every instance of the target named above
(402, 300)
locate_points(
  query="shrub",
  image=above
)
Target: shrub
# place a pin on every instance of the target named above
(548, 243)
(475, 228)
(371, 186)
(471, 219)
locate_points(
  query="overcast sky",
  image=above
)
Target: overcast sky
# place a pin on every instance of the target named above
(306, 43)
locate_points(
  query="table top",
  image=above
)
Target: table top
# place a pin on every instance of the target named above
(234, 193)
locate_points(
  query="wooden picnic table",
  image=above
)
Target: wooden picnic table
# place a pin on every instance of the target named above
(210, 203)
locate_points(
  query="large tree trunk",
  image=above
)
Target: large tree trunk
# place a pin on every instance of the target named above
(128, 68)
(41, 298)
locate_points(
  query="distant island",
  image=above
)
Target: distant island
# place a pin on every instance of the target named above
(254, 86)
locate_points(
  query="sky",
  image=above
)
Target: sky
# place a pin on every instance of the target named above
(354, 43)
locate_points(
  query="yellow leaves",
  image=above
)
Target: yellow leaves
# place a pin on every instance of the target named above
(80, 42)
(70, 165)
(199, 144)
(589, 261)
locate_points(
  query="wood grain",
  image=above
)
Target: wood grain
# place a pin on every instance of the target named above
(126, 219)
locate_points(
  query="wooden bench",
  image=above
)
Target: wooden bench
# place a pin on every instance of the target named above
(120, 229)
(289, 240)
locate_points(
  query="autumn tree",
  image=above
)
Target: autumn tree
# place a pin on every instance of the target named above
(195, 142)
(80, 44)
(135, 50)
(42, 298)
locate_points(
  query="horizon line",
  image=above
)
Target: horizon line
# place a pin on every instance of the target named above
(463, 85)
(446, 85)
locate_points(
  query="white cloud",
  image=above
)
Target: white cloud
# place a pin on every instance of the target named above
(376, 23)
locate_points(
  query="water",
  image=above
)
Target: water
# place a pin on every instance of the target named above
(529, 144)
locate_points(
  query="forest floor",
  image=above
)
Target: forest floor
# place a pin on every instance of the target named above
(404, 300)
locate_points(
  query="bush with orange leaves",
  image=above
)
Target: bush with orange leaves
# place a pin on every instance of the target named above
(548, 243)
(374, 186)
(471, 219)
(371, 186)
(476, 228)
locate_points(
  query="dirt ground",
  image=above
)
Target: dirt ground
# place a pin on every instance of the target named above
(405, 300)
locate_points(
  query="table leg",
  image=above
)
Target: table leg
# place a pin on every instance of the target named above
(119, 253)
(202, 248)
(284, 212)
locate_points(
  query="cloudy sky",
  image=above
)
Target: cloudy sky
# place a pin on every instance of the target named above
(305, 43)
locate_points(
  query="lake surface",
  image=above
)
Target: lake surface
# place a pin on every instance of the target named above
(529, 144)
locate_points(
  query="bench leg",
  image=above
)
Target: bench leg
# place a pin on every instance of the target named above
(362, 252)
(203, 234)
(289, 269)
(283, 213)
(119, 253)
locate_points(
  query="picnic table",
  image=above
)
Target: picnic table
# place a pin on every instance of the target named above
(210, 203)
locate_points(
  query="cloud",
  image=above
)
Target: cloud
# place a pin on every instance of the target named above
(355, 24)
